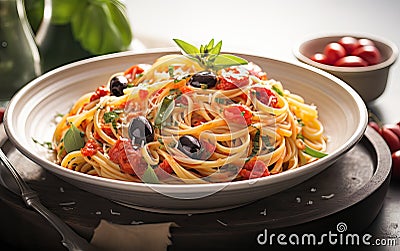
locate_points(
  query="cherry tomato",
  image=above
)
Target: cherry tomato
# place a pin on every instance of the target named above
(391, 139)
(365, 42)
(164, 170)
(349, 44)
(238, 114)
(2, 110)
(320, 58)
(369, 53)
(351, 61)
(396, 165)
(265, 96)
(100, 92)
(334, 51)
(254, 169)
(130, 160)
(394, 128)
(90, 148)
(233, 78)
(375, 126)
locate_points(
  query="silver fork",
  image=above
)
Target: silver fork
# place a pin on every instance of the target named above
(70, 239)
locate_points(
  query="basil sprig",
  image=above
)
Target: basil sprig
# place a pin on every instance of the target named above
(208, 56)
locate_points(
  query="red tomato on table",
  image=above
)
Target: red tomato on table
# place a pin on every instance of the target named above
(349, 44)
(334, 51)
(320, 58)
(351, 61)
(369, 53)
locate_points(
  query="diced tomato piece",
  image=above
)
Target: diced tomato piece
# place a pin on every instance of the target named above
(256, 70)
(100, 92)
(143, 94)
(107, 130)
(130, 160)
(238, 114)
(186, 89)
(254, 169)
(163, 170)
(232, 78)
(91, 147)
(166, 166)
(133, 70)
(265, 96)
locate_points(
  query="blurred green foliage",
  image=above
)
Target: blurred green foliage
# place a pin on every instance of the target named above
(100, 26)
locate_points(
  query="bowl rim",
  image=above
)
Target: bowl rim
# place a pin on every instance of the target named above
(146, 187)
(341, 69)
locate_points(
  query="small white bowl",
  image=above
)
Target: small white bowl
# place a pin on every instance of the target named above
(369, 81)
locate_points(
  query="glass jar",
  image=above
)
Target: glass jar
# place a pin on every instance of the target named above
(19, 55)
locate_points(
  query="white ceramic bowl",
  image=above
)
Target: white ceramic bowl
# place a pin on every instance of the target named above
(31, 112)
(369, 81)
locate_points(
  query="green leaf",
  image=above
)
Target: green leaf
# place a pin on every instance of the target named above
(110, 32)
(186, 47)
(45, 144)
(210, 45)
(62, 11)
(217, 49)
(121, 21)
(277, 90)
(73, 139)
(202, 49)
(229, 60)
(166, 108)
(314, 153)
(150, 176)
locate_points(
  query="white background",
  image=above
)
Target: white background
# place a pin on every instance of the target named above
(269, 28)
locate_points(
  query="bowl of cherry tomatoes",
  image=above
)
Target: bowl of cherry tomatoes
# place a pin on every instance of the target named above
(362, 61)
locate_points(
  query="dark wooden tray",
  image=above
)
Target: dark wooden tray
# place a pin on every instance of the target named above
(351, 192)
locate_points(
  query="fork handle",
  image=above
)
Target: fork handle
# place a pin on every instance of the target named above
(70, 239)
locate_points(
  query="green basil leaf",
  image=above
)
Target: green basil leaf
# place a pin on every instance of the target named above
(121, 21)
(110, 117)
(73, 139)
(229, 60)
(186, 47)
(210, 45)
(202, 49)
(166, 108)
(150, 176)
(314, 153)
(277, 90)
(62, 11)
(109, 33)
(217, 49)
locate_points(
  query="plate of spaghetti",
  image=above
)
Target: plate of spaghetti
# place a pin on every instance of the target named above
(192, 132)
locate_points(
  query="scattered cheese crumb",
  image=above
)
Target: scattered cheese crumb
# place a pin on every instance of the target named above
(114, 213)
